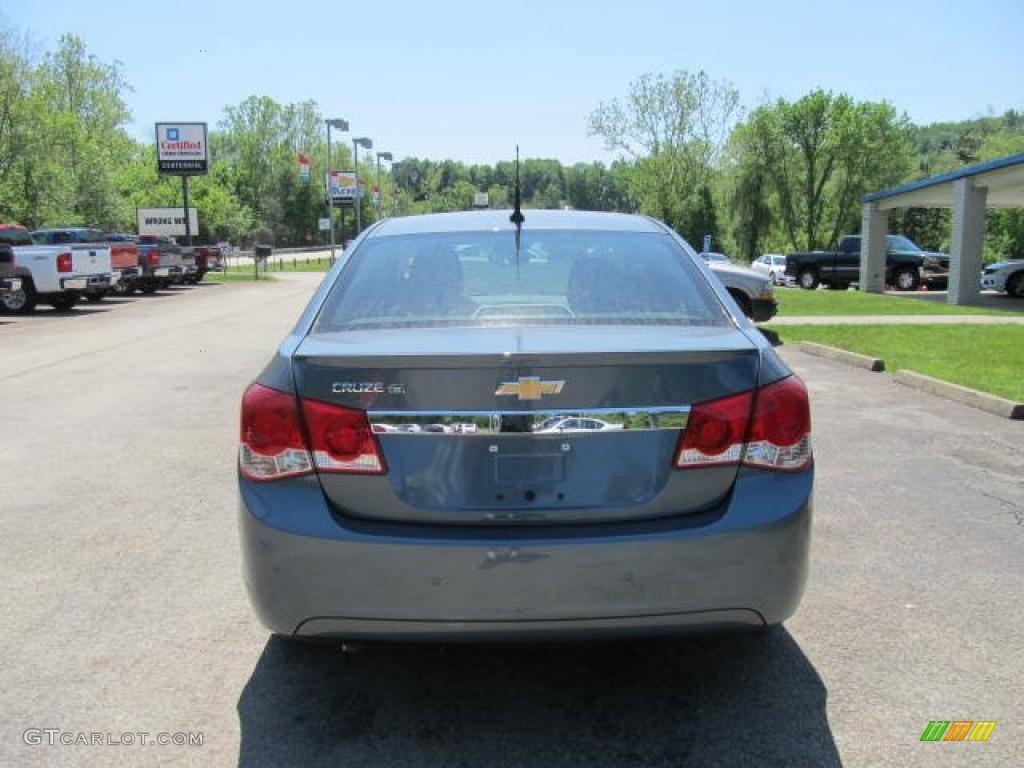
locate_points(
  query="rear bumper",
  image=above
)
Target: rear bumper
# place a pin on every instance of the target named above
(87, 283)
(937, 281)
(309, 574)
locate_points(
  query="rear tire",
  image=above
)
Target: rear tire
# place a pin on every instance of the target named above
(22, 301)
(1015, 285)
(808, 279)
(95, 298)
(907, 279)
(744, 303)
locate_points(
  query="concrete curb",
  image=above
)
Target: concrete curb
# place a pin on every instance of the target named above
(850, 358)
(1000, 406)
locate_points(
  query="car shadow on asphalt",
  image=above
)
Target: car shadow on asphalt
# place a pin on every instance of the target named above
(751, 699)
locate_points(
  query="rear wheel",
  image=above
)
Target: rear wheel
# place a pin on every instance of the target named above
(96, 297)
(1015, 285)
(149, 287)
(907, 279)
(23, 301)
(808, 279)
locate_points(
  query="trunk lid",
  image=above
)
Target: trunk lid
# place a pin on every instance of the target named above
(526, 425)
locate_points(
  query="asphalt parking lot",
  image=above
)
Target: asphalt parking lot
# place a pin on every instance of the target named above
(125, 613)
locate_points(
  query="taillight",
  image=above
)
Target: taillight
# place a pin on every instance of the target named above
(342, 440)
(768, 428)
(64, 262)
(272, 446)
(154, 258)
(780, 436)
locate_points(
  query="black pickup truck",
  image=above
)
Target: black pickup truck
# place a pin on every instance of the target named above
(907, 267)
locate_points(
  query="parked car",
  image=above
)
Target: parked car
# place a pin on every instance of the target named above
(208, 258)
(700, 519)
(752, 292)
(59, 275)
(710, 256)
(577, 424)
(163, 262)
(907, 266)
(124, 255)
(1005, 276)
(773, 265)
(122, 243)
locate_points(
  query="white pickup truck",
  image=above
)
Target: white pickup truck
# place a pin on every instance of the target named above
(58, 275)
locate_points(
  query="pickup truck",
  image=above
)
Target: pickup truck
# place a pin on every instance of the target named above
(124, 254)
(58, 275)
(163, 263)
(907, 266)
(209, 258)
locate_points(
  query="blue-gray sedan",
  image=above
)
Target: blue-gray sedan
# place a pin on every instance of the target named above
(399, 480)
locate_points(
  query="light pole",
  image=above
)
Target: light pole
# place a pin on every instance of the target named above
(380, 187)
(365, 143)
(341, 125)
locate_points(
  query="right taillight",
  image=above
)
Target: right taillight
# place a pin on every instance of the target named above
(780, 432)
(769, 428)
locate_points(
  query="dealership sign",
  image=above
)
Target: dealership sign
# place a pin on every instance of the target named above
(166, 221)
(182, 149)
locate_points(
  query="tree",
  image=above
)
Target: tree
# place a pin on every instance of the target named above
(816, 157)
(674, 130)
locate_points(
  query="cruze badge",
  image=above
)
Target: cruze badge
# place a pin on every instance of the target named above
(530, 388)
(366, 388)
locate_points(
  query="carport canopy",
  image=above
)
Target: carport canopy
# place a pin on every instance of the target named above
(968, 192)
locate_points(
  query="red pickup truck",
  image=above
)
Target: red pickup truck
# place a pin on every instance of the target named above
(124, 255)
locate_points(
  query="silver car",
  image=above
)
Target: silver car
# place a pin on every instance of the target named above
(359, 522)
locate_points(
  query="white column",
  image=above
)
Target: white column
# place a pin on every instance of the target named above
(873, 229)
(968, 237)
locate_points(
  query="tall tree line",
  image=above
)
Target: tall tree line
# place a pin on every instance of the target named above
(785, 176)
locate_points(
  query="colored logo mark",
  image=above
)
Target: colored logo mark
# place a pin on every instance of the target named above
(172, 134)
(958, 730)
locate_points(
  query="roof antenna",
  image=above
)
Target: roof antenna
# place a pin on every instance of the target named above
(517, 217)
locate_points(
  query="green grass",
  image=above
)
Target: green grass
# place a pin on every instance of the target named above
(988, 358)
(794, 302)
(234, 276)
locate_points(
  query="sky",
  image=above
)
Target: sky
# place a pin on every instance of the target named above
(468, 81)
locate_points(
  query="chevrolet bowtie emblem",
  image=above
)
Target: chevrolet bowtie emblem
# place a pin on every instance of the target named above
(530, 388)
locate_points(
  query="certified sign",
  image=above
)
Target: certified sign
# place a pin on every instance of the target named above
(182, 149)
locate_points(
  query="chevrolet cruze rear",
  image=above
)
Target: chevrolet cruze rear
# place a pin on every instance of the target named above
(402, 474)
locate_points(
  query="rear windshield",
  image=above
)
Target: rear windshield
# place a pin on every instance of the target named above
(560, 278)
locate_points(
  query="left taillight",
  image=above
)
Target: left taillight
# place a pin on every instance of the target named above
(273, 443)
(64, 262)
(272, 446)
(768, 428)
(342, 439)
